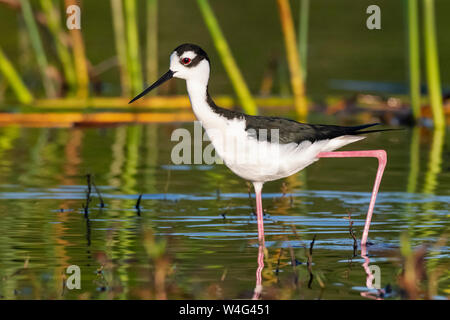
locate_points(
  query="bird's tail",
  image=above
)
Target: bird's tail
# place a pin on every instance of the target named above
(357, 129)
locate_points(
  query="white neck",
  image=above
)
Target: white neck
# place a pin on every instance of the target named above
(197, 91)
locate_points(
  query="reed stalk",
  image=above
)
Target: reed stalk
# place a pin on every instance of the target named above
(303, 27)
(62, 50)
(236, 78)
(38, 48)
(79, 52)
(413, 55)
(152, 41)
(13, 77)
(133, 144)
(134, 62)
(414, 160)
(296, 72)
(25, 57)
(121, 48)
(432, 64)
(283, 79)
(431, 182)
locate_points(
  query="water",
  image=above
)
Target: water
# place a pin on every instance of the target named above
(194, 235)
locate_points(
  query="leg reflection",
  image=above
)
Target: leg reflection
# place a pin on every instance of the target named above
(371, 294)
(258, 287)
(370, 277)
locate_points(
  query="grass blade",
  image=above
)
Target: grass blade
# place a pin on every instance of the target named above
(121, 48)
(62, 50)
(411, 7)
(432, 64)
(134, 61)
(152, 41)
(236, 78)
(298, 87)
(79, 52)
(38, 48)
(8, 71)
(303, 27)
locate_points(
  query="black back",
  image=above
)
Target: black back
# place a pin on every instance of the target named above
(292, 131)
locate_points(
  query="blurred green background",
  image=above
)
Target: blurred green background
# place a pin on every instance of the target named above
(340, 46)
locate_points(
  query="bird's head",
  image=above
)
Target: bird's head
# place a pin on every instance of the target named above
(188, 62)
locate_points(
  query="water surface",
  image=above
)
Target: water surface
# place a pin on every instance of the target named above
(195, 233)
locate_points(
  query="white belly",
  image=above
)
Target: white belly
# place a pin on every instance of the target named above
(263, 161)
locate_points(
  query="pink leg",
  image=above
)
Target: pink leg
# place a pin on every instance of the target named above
(382, 159)
(258, 287)
(259, 215)
(259, 211)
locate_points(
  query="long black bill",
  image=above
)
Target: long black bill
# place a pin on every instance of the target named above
(167, 76)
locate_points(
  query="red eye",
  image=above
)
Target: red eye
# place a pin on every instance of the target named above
(186, 60)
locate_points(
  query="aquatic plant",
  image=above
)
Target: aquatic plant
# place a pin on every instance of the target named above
(411, 7)
(38, 48)
(236, 78)
(432, 64)
(121, 47)
(12, 76)
(62, 49)
(295, 69)
(303, 28)
(419, 277)
(133, 56)
(81, 63)
(152, 42)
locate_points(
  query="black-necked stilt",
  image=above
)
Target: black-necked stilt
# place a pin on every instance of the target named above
(258, 148)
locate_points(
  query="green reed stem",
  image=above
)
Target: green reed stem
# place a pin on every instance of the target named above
(414, 160)
(121, 47)
(152, 41)
(283, 79)
(134, 61)
(12, 76)
(293, 57)
(303, 27)
(38, 48)
(413, 55)
(434, 161)
(25, 58)
(62, 50)
(236, 78)
(432, 63)
(80, 59)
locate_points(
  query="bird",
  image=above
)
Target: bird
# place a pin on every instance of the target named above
(258, 148)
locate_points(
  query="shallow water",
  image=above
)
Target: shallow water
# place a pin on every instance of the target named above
(194, 235)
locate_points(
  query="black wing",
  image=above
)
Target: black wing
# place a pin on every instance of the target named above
(292, 131)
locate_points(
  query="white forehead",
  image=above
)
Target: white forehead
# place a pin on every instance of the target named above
(186, 54)
(189, 54)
